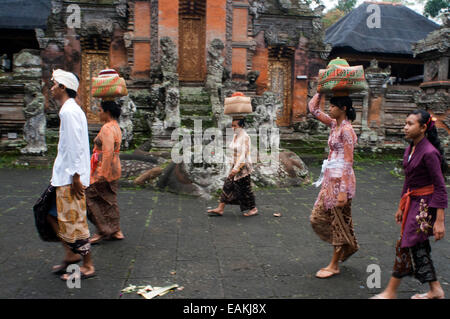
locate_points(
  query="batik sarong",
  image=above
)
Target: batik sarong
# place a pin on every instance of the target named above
(335, 226)
(415, 261)
(238, 192)
(103, 210)
(72, 222)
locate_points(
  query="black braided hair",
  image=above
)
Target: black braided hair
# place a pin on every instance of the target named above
(432, 136)
(112, 107)
(241, 122)
(341, 101)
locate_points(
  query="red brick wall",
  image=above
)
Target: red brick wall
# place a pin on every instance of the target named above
(117, 51)
(300, 87)
(239, 56)
(168, 20)
(240, 21)
(72, 53)
(239, 66)
(374, 115)
(215, 20)
(260, 63)
(141, 67)
(52, 58)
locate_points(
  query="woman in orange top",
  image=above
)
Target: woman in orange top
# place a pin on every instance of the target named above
(101, 195)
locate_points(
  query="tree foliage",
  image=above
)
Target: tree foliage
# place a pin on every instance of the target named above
(346, 5)
(332, 17)
(341, 9)
(433, 7)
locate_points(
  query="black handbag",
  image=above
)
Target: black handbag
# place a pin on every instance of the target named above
(41, 210)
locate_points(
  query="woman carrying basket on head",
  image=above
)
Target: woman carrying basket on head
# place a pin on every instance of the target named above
(331, 216)
(237, 189)
(101, 196)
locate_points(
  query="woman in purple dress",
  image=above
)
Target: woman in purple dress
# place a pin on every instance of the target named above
(421, 210)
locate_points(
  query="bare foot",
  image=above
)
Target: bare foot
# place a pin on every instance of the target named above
(96, 239)
(62, 267)
(253, 212)
(118, 235)
(327, 273)
(432, 294)
(385, 295)
(85, 272)
(215, 211)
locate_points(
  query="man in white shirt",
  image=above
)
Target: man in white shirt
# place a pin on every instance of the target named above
(71, 172)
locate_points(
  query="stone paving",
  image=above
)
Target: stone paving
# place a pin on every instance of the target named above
(171, 240)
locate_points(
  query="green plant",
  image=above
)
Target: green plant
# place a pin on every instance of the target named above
(7, 160)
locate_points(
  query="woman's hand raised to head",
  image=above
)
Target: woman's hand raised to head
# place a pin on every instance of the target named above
(314, 109)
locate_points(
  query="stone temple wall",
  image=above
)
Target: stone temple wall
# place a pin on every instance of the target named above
(22, 117)
(244, 41)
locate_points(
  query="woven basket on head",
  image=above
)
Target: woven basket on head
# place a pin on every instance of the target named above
(238, 105)
(341, 79)
(108, 85)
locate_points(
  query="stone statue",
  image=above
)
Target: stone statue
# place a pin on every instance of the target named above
(128, 39)
(285, 5)
(214, 78)
(262, 117)
(374, 67)
(157, 101)
(252, 76)
(172, 119)
(126, 120)
(214, 63)
(319, 10)
(95, 27)
(27, 64)
(34, 128)
(121, 8)
(169, 61)
(256, 8)
(317, 26)
(377, 77)
(267, 110)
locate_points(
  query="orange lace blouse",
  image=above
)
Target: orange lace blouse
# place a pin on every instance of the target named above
(105, 161)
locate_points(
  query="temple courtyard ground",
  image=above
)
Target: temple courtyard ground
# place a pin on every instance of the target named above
(171, 240)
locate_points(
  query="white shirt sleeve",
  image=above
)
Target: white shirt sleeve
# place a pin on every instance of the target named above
(71, 138)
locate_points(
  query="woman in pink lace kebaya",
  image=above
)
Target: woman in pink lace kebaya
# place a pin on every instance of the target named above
(331, 217)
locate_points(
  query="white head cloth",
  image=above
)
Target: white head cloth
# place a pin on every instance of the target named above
(68, 79)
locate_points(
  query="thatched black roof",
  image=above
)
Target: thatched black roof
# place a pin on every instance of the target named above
(400, 27)
(24, 14)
